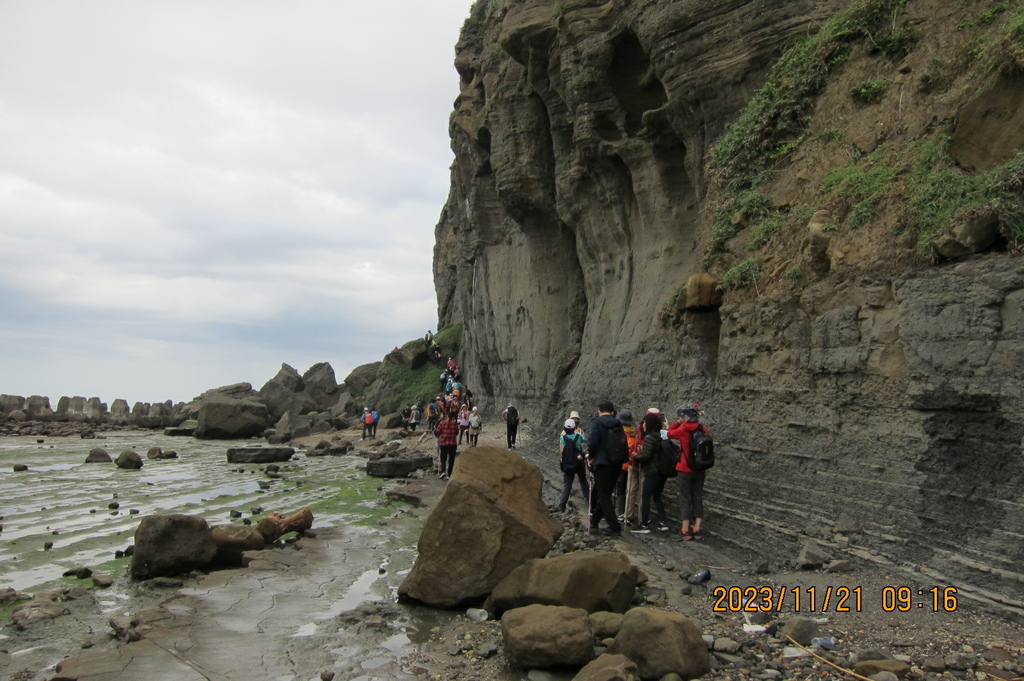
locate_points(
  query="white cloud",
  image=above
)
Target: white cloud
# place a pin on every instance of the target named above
(205, 187)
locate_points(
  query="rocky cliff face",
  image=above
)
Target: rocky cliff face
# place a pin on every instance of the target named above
(871, 382)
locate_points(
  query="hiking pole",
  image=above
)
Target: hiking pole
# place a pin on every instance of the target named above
(590, 499)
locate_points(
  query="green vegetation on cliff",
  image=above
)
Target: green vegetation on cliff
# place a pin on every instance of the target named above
(900, 174)
(398, 385)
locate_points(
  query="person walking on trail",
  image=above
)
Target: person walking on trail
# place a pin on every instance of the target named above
(433, 415)
(367, 420)
(414, 418)
(447, 433)
(376, 419)
(463, 421)
(653, 480)
(476, 422)
(604, 471)
(690, 482)
(511, 416)
(572, 463)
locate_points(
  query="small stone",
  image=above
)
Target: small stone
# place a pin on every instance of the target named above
(326, 676)
(800, 629)
(871, 667)
(884, 676)
(235, 514)
(20, 467)
(47, 545)
(725, 645)
(102, 581)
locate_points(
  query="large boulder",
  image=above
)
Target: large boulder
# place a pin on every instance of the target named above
(228, 418)
(167, 545)
(412, 355)
(98, 455)
(362, 376)
(489, 520)
(547, 636)
(233, 540)
(592, 580)
(129, 460)
(260, 454)
(398, 467)
(291, 426)
(662, 643)
(346, 404)
(322, 386)
(286, 392)
(609, 668)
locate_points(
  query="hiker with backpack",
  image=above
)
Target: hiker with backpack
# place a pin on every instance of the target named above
(367, 420)
(607, 450)
(572, 463)
(511, 416)
(658, 457)
(696, 456)
(627, 505)
(373, 426)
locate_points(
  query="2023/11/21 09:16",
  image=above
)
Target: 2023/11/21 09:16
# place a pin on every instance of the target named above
(830, 599)
(904, 598)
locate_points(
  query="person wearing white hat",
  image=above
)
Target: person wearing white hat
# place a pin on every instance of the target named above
(571, 461)
(476, 422)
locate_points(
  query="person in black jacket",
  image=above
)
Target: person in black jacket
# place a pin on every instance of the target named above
(605, 473)
(654, 481)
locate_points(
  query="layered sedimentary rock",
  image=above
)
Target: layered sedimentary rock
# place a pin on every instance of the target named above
(894, 396)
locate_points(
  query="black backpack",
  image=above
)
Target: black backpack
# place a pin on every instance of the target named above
(666, 458)
(511, 414)
(702, 451)
(570, 451)
(618, 445)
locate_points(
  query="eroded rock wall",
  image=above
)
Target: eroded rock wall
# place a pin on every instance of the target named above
(580, 134)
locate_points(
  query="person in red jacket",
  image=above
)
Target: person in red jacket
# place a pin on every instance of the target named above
(690, 482)
(447, 433)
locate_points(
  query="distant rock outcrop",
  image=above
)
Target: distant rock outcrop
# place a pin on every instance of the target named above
(233, 412)
(285, 393)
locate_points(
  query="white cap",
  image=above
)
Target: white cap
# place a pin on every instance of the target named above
(570, 424)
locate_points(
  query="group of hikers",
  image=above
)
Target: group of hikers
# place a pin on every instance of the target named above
(623, 467)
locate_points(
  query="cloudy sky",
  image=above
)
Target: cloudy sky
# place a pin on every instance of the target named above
(192, 193)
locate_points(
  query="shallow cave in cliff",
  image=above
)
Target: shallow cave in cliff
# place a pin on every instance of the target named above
(633, 81)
